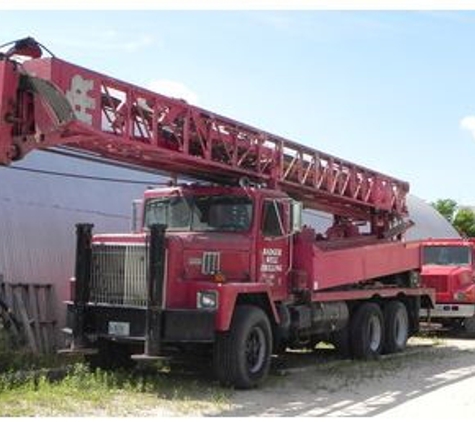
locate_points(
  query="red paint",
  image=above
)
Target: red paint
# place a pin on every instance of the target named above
(8, 92)
(453, 284)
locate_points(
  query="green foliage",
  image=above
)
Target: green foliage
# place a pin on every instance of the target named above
(464, 222)
(79, 391)
(446, 207)
(463, 219)
(14, 357)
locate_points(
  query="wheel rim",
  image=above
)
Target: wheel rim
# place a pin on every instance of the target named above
(255, 350)
(375, 333)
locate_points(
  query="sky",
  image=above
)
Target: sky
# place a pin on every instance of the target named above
(391, 90)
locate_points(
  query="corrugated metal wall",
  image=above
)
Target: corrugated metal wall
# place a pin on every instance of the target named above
(38, 213)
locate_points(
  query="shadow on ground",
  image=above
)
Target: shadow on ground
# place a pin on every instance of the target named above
(318, 384)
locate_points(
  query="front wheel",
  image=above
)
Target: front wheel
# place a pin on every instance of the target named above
(242, 356)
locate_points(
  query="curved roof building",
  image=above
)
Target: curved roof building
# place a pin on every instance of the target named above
(45, 195)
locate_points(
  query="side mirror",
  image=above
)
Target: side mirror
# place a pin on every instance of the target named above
(297, 208)
(136, 215)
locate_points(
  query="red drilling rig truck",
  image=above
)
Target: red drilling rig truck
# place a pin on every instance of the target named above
(224, 266)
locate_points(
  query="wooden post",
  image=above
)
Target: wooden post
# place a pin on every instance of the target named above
(25, 320)
(34, 309)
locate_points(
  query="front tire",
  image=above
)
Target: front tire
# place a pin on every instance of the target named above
(242, 356)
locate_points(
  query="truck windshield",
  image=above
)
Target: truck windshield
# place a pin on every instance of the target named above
(200, 213)
(447, 255)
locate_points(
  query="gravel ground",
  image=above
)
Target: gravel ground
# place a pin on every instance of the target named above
(434, 378)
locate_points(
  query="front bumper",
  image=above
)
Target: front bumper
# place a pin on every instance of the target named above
(449, 310)
(177, 325)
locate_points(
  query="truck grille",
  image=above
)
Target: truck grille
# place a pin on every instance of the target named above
(119, 275)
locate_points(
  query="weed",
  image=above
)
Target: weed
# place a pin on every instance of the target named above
(82, 392)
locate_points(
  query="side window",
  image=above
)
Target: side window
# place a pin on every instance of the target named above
(272, 219)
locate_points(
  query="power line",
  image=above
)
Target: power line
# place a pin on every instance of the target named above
(85, 177)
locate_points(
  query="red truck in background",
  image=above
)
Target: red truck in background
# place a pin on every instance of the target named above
(225, 266)
(448, 267)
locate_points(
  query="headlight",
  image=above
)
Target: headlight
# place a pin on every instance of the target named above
(207, 300)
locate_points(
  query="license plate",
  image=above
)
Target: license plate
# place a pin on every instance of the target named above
(119, 328)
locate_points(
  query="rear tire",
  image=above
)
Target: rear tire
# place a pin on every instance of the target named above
(341, 340)
(242, 356)
(367, 331)
(396, 330)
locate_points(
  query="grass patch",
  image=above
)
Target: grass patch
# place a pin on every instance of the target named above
(83, 392)
(59, 385)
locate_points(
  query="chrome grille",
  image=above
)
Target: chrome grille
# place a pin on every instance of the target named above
(119, 274)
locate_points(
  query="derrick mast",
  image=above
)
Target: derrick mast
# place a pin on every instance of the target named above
(47, 102)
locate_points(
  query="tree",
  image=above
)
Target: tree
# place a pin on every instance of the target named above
(463, 219)
(464, 222)
(446, 207)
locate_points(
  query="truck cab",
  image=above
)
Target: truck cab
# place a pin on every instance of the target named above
(448, 267)
(218, 247)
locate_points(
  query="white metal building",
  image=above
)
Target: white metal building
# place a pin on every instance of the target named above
(42, 198)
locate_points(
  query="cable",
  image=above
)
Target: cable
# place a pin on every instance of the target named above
(82, 176)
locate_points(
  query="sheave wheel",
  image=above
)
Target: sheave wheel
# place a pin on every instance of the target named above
(242, 356)
(396, 330)
(367, 331)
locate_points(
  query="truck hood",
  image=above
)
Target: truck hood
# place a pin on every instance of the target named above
(189, 241)
(214, 241)
(443, 270)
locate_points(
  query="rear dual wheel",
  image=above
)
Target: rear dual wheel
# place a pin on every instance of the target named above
(374, 330)
(367, 331)
(396, 322)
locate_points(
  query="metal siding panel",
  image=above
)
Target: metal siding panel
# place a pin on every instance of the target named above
(38, 214)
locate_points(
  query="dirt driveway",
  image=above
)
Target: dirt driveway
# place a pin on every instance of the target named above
(435, 378)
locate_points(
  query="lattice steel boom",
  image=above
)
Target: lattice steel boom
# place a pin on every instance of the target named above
(47, 102)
